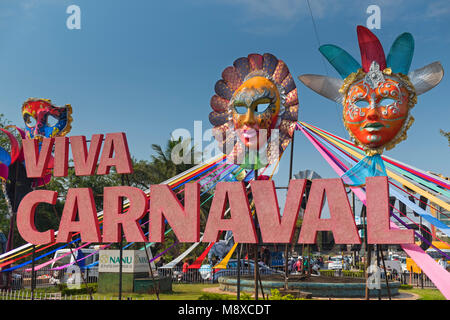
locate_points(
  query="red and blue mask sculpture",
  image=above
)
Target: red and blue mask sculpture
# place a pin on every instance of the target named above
(377, 95)
(44, 120)
(254, 110)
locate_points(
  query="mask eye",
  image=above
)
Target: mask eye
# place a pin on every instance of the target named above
(29, 121)
(361, 104)
(262, 107)
(386, 102)
(52, 121)
(240, 109)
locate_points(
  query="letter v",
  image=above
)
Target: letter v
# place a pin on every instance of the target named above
(275, 229)
(36, 162)
(85, 164)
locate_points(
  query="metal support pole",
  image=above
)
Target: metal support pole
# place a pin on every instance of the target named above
(33, 273)
(378, 265)
(367, 249)
(367, 264)
(387, 282)
(121, 249)
(156, 287)
(255, 256)
(256, 269)
(260, 284)
(286, 266)
(238, 290)
(286, 250)
(120, 264)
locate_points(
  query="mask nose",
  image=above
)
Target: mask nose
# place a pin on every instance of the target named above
(35, 130)
(250, 117)
(373, 114)
(39, 127)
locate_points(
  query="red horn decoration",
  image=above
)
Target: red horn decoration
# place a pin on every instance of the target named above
(371, 49)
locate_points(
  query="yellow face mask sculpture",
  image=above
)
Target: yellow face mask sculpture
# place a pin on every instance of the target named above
(254, 110)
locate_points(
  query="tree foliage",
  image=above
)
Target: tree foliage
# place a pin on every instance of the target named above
(446, 134)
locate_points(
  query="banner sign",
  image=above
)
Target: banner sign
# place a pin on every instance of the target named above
(80, 216)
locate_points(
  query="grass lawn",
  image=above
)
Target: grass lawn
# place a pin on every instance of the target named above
(425, 294)
(179, 292)
(195, 291)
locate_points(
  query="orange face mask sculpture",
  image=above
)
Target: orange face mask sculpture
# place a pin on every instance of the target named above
(376, 113)
(378, 94)
(254, 110)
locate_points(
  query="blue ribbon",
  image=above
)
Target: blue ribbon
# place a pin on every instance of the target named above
(369, 166)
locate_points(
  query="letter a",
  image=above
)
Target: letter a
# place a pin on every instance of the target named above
(341, 222)
(275, 229)
(373, 21)
(85, 162)
(240, 222)
(115, 143)
(114, 218)
(74, 20)
(79, 200)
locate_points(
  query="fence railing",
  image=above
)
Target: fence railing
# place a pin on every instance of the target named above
(419, 280)
(26, 295)
(45, 277)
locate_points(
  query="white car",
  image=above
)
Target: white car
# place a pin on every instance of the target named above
(335, 263)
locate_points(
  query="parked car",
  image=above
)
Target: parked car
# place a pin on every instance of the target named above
(335, 263)
(59, 276)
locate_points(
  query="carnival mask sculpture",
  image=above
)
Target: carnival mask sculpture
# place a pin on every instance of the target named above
(377, 97)
(44, 120)
(254, 110)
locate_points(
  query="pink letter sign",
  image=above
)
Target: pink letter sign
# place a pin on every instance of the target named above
(341, 222)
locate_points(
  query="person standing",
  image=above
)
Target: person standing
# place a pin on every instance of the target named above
(185, 269)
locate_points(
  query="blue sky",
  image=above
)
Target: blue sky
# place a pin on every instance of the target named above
(149, 67)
